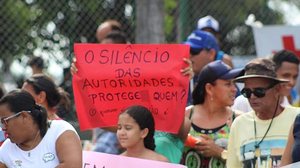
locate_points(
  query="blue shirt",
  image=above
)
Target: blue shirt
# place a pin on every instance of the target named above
(106, 142)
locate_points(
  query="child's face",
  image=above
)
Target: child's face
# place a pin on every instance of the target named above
(129, 133)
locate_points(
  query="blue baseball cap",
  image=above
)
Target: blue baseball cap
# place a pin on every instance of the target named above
(199, 39)
(218, 70)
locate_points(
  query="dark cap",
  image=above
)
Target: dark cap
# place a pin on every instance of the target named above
(218, 70)
(260, 68)
(210, 73)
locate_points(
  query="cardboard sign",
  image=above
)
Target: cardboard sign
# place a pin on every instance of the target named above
(113, 77)
(103, 160)
(270, 39)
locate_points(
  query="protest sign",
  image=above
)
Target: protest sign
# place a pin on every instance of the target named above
(112, 77)
(103, 160)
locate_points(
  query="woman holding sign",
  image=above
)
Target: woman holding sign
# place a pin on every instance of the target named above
(211, 116)
(135, 134)
(32, 140)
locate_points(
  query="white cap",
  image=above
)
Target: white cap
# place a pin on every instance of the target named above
(208, 22)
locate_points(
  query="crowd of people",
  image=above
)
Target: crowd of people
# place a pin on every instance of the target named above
(223, 126)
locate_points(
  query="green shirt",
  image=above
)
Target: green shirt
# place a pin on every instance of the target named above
(169, 145)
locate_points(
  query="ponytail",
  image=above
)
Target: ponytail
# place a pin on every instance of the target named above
(39, 115)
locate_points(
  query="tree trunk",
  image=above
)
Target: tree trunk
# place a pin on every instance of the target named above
(150, 21)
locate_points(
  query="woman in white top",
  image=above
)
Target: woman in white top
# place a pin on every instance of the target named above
(32, 141)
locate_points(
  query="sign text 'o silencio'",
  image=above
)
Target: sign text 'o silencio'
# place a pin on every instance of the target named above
(112, 77)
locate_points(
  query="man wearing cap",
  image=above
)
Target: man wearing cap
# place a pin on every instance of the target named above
(203, 50)
(210, 24)
(258, 138)
(287, 67)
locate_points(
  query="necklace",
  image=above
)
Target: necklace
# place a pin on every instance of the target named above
(35, 138)
(257, 151)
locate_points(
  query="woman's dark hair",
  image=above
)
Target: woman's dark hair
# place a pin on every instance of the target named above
(64, 105)
(20, 100)
(144, 119)
(199, 92)
(41, 82)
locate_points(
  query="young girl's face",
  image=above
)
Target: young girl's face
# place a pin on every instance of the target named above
(129, 133)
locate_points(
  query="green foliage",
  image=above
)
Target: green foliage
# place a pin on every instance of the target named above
(52, 25)
(170, 19)
(231, 15)
(15, 24)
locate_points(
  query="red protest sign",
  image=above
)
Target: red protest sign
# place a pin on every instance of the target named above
(114, 76)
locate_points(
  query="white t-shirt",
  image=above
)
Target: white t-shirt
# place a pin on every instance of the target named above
(42, 156)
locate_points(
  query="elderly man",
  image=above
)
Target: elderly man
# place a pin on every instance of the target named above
(286, 67)
(258, 138)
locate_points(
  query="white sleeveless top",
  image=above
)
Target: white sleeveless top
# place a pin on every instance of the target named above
(42, 156)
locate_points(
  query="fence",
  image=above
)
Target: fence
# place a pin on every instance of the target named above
(49, 28)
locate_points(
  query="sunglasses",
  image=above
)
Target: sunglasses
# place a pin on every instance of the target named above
(258, 92)
(194, 52)
(4, 121)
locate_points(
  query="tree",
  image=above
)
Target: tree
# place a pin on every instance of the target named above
(231, 14)
(53, 26)
(150, 17)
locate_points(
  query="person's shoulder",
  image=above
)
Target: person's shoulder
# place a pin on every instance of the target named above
(242, 104)
(60, 126)
(237, 113)
(6, 144)
(188, 110)
(58, 123)
(160, 157)
(152, 155)
(291, 110)
(243, 118)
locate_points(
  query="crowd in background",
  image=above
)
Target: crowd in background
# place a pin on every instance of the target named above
(255, 125)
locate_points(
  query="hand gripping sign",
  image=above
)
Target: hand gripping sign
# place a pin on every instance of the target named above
(112, 77)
